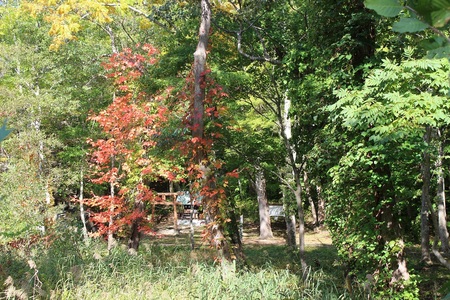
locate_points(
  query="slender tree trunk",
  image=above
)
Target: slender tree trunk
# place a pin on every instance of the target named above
(290, 231)
(191, 225)
(424, 226)
(307, 186)
(441, 205)
(82, 211)
(320, 205)
(135, 237)
(301, 225)
(435, 248)
(286, 133)
(289, 218)
(265, 229)
(111, 241)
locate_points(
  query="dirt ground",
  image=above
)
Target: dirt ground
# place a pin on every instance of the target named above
(313, 238)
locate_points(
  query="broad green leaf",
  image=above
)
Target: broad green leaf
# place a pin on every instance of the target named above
(440, 4)
(433, 43)
(440, 17)
(409, 25)
(386, 8)
(441, 52)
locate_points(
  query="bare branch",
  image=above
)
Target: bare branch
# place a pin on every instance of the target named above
(148, 16)
(264, 58)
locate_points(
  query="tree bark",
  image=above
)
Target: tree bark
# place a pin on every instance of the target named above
(111, 240)
(435, 247)
(82, 211)
(290, 220)
(320, 205)
(307, 186)
(290, 231)
(286, 134)
(135, 236)
(424, 226)
(198, 110)
(301, 225)
(199, 74)
(265, 229)
(441, 205)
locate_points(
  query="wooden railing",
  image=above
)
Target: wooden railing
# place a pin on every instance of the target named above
(164, 201)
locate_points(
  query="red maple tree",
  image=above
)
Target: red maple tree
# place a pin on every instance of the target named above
(133, 125)
(121, 160)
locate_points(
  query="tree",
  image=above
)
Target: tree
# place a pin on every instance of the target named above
(122, 159)
(31, 100)
(265, 229)
(387, 120)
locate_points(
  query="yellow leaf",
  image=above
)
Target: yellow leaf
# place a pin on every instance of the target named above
(64, 9)
(145, 24)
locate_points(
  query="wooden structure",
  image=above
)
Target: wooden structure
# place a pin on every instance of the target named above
(164, 201)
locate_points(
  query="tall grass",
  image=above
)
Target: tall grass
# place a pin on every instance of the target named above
(71, 270)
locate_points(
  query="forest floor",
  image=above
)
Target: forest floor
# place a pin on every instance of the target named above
(313, 238)
(320, 254)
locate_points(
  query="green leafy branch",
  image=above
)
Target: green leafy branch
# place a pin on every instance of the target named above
(417, 16)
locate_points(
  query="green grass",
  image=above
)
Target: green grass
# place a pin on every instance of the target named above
(164, 269)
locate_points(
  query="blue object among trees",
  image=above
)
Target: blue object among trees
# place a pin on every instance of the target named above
(4, 132)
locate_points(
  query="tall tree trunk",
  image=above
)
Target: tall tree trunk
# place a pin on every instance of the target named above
(441, 205)
(435, 247)
(424, 226)
(307, 186)
(199, 74)
(320, 205)
(198, 111)
(290, 231)
(289, 218)
(82, 211)
(265, 229)
(301, 224)
(286, 134)
(111, 241)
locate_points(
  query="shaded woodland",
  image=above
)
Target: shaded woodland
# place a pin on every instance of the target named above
(335, 113)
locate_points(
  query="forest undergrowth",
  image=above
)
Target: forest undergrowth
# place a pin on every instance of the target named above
(66, 267)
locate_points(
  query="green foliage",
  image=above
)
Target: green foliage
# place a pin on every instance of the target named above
(417, 16)
(387, 8)
(376, 178)
(69, 269)
(435, 12)
(397, 100)
(409, 25)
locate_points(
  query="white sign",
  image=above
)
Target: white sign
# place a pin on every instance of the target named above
(276, 211)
